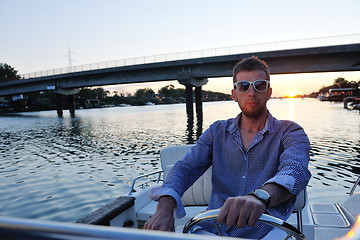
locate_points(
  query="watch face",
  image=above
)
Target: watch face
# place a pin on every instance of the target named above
(262, 194)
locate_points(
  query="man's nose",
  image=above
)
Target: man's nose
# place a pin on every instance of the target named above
(252, 90)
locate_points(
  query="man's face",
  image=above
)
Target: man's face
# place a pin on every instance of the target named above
(252, 103)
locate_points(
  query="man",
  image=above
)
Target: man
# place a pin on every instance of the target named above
(259, 164)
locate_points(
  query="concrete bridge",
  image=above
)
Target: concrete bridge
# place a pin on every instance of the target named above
(191, 72)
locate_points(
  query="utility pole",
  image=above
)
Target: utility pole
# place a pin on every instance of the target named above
(70, 59)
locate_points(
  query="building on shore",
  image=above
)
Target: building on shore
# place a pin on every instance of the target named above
(339, 94)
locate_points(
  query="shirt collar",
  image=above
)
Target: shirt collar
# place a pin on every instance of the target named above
(234, 126)
(266, 127)
(270, 123)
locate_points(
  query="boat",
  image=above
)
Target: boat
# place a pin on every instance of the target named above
(127, 214)
(352, 103)
(339, 94)
(124, 105)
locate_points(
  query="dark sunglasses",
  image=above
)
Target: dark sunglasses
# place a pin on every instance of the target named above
(259, 85)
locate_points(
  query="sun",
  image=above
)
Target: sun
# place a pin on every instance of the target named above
(293, 93)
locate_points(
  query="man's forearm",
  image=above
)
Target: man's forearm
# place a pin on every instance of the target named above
(278, 193)
(166, 203)
(163, 218)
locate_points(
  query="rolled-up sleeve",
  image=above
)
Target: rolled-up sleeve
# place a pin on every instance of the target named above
(156, 193)
(293, 172)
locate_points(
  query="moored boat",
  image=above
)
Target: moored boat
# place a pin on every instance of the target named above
(352, 103)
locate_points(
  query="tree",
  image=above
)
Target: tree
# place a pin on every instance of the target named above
(167, 91)
(98, 93)
(101, 93)
(87, 93)
(340, 81)
(171, 91)
(8, 73)
(144, 93)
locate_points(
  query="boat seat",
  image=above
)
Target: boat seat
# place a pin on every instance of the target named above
(199, 193)
(351, 207)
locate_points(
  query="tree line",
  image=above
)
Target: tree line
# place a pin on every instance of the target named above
(165, 95)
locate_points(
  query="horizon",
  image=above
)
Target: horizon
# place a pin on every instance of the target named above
(294, 85)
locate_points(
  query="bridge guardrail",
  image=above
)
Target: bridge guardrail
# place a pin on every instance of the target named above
(258, 47)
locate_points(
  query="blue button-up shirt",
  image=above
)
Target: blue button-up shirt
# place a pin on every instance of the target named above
(279, 153)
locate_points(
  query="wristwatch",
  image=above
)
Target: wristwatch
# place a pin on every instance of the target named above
(262, 195)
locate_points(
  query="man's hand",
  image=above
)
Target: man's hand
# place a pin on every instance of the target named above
(241, 211)
(163, 218)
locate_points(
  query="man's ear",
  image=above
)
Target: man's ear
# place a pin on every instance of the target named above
(233, 95)
(269, 93)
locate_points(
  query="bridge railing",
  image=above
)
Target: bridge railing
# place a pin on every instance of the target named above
(249, 48)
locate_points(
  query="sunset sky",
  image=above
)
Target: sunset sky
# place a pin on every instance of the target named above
(36, 34)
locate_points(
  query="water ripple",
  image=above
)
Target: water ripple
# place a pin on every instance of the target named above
(63, 168)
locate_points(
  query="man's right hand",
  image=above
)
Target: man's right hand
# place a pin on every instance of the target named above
(163, 218)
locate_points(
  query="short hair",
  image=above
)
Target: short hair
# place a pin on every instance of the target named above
(251, 64)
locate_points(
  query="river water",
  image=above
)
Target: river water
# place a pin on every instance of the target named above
(63, 168)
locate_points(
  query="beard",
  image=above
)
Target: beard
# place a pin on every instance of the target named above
(253, 112)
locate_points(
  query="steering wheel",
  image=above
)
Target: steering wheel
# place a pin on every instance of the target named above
(265, 218)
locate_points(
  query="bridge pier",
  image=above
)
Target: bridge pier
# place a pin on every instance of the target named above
(189, 100)
(71, 100)
(59, 107)
(59, 104)
(189, 83)
(198, 103)
(190, 112)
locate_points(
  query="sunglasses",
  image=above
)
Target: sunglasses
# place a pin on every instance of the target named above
(259, 85)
